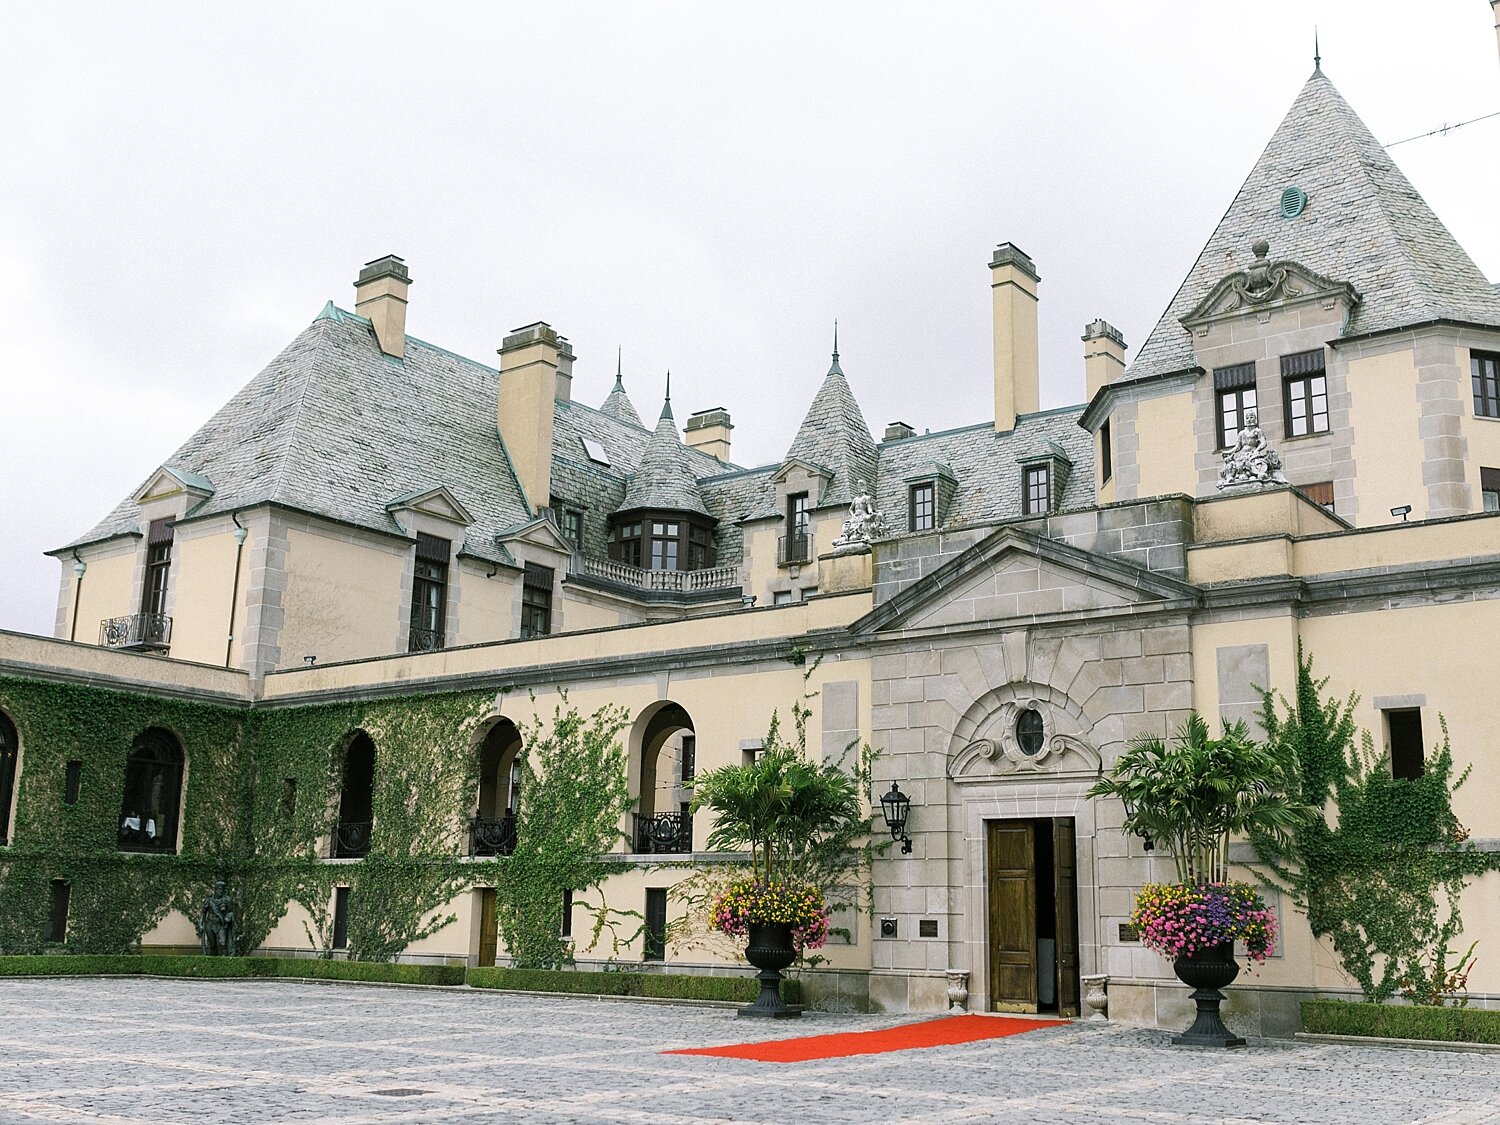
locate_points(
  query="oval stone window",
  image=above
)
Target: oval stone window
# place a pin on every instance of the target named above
(1030, 732)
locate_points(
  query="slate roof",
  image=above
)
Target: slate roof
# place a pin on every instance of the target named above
(665, 478)
(618, 404)
(834, 436)
(1364, 224)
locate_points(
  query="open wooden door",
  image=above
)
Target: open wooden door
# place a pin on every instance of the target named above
(1065, 890)
(1012, 873)
(488, 930)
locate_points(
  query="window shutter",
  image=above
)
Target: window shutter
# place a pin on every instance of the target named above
(538, 577)
(159, 532)
(1233, 378)
(1303, 363)
(1489, 480)
(433, 549)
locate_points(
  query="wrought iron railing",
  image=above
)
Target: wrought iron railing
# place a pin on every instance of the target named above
(664, 834)
(675, 581)
(351, 839)
(492, 835)
(136, 630)
(794, 549)
(424, 640)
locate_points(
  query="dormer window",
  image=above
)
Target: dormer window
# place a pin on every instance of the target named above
(1036, 491)
(923, 506)
(929, 495)
(664, 541)
(1044, 477)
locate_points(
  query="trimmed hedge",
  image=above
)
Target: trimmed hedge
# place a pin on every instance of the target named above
(227, 967)
(663, 986)
(1403, 1021)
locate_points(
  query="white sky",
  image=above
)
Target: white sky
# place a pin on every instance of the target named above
(183, 185)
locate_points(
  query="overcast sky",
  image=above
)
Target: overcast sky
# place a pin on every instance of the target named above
(706, 186)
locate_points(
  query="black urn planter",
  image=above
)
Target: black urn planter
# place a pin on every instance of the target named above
(769, 948)
(1205, 972)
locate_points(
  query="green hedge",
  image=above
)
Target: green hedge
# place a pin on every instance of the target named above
(665, 986)
(1407, 1021)
(221, 967)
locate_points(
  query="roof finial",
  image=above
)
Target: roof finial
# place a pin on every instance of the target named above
(619, 382)
(834, 368)
(666, 404)
(1317, 53)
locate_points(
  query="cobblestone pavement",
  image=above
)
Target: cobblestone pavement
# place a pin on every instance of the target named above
(135, 1051)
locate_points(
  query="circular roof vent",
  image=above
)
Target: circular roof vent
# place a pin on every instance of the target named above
(1293, 202)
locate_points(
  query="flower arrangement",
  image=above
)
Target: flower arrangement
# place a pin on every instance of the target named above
(748, 902)
(1178, 919)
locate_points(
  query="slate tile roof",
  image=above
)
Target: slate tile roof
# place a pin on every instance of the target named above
(834, 436)
(665, 478)
(618, 404)
(1364, 224)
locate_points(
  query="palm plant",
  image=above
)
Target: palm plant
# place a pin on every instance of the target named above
(1195, 792)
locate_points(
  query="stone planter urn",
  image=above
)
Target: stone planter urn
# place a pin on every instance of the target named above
(1205, 972)
(1095, 995)
(769, 948)
(958, 990)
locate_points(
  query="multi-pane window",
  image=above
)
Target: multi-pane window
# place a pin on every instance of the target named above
(1035, 494)
(923, 507)
(572, 527)
(1106, 454)
(1484, 367)
(429, 594)
(628, 543)
(158, 566)
(664, 544)
(1234, 397)
(536, 601)
(700, 547)
(1304, 386)
(797, 514)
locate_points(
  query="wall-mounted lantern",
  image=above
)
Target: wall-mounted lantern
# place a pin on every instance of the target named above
(895, 806)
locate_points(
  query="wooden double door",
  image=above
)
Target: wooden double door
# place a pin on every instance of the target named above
(1033, 915)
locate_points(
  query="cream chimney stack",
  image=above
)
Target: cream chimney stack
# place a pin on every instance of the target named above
(709, 430)
(564, 370)
(1103, 355)
(1013, 283)
(380, 294)
(529, 380)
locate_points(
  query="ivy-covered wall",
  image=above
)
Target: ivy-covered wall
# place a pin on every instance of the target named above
(236, 822)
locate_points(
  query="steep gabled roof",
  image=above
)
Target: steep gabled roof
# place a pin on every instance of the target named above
(618, 404)
(665, 478)
(1363, 224)
(834, 434)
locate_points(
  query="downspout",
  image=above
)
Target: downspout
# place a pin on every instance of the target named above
(79, 569)
(240, 532)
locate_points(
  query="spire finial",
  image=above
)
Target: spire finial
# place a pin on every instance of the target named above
(619, 381)
(1317, 53)
(666, 402)
(834, 368)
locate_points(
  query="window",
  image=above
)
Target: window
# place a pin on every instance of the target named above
(783, 597)
(429, 594)
(923, 507)
(1320, 493)
(1489, 489)
(1030, 731)
(158, 566)
(72, 781)
(701, 554)
(10, 745)
(351, 835)
(594, 451)
(567, 914)
(571, 522)
(152, 797)
(1106, 454)
(340, 918)
(689, 759)
(1304, 393)
(57, 912)
(656, 925)
(797, 514)
(665, 539)
(628, 543)
(1234, 390)
(1034, 490)
(1485, 369)
(536, 601)
(288, 798)
(1404, 730)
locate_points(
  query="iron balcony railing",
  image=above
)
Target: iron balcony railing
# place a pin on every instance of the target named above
(674, 581)
(424, 640)
(136, 630)
(351, 839)
(664, 834)
(794, 549)
(492, 835)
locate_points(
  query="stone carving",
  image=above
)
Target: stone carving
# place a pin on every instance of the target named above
(1096, 995)
(864, 523)
(1006, 755)
(958, 990)
(1252, 460)
(1266, 283)
(217, 922)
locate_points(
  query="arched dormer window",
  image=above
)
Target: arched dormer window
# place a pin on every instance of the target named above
(151, 804)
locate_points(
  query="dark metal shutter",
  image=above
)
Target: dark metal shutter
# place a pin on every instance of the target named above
(159, 532)
(1232, 378)
(539, 577)
(1303, 363)
(1489, 480)
(433, 549)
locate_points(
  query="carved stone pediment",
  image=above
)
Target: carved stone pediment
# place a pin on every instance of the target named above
(1267, 285)
(1025, 747)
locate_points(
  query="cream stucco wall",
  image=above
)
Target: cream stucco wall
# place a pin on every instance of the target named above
(109, 587)
(487, 604)
(342, 599)
(1387, 445)
(1164, 428)
(202, 575)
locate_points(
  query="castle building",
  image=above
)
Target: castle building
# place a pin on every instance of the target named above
(1305, 450)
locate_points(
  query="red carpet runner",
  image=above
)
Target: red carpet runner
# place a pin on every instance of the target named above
(910, 1036)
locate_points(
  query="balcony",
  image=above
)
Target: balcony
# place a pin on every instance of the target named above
(141, 631)
(663, 581)
(492, 835)
(351, 839)
(792, 550)
(664, 834)
(424, 640)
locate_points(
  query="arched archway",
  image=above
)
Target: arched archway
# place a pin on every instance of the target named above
(351, 833)
(663, 758)
(10, 758)
(492, 831)
(151, 801)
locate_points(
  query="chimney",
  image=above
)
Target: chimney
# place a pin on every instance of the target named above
(1103, 355)
(708, 430)
(529, 364)
(895, 431)
(564, 370)
(380, 294)
(1013, 284)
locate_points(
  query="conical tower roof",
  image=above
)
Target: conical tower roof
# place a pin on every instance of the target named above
(1363, 223)
(664, 479)
(618, 405)
(834, 436)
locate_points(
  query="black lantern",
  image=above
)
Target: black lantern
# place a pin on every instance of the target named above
(1147, 844)
(895, 806)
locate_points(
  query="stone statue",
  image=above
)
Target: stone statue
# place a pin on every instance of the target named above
(1252, 460)
(864, 522)
(216, 923)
